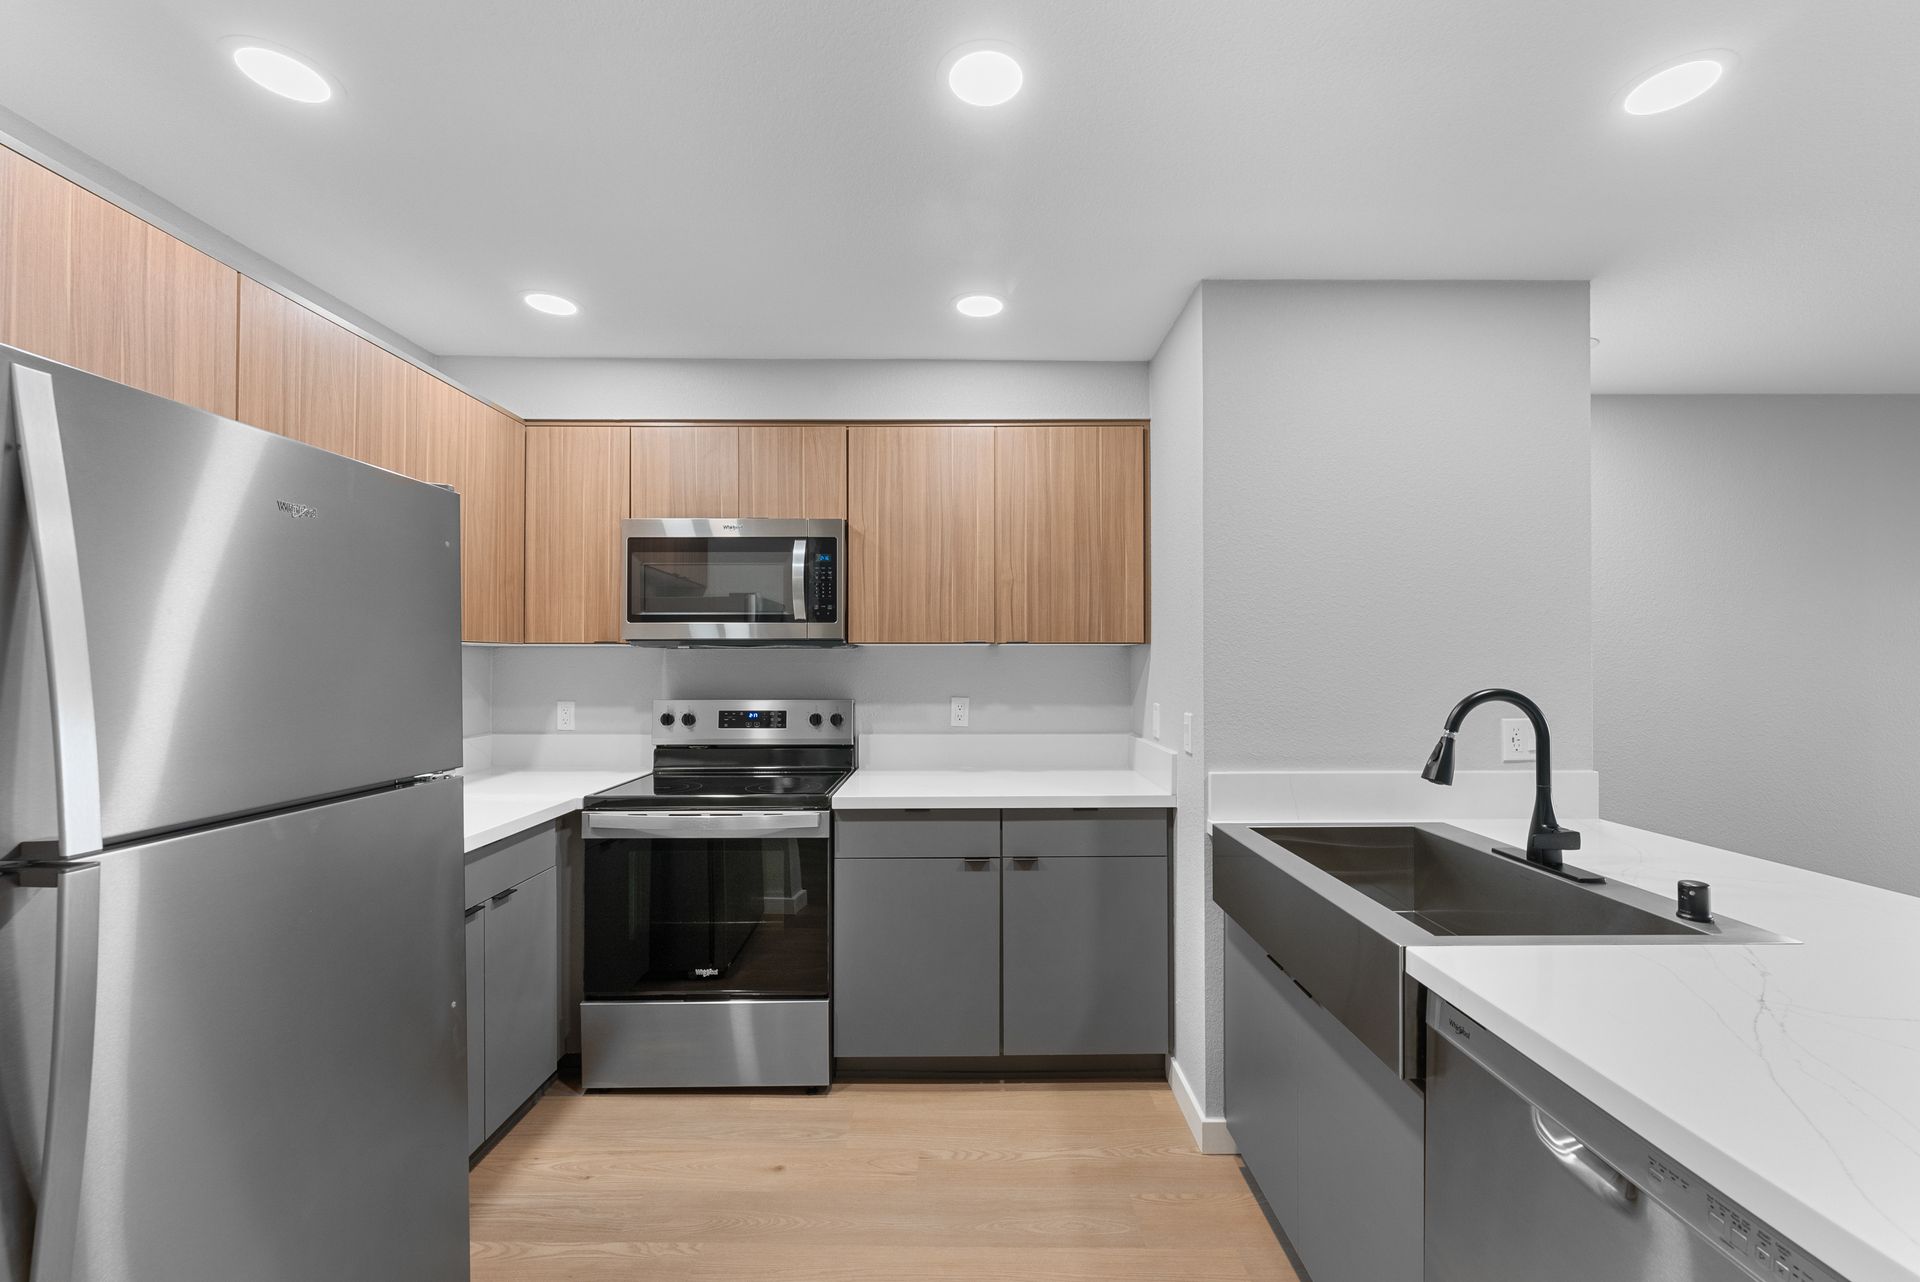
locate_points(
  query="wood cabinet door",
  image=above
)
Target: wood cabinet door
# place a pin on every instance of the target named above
(685, 470)
(794, 471)
(577, 477)
(36, 258)
(386, 402)
(920, 522)
(151, 311)
(1071, 533)
(297, 371)
(85, 282)
(490, 473)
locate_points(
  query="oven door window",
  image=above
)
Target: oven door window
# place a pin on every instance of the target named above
(714, 580)
(700, 917)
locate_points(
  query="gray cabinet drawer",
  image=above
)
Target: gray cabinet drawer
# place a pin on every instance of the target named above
(1072, 833)
(1084, 956)
(916, 957)
(491, 869)
(916, 834)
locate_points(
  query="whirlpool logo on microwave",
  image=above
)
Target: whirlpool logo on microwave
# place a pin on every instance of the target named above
(298, 511)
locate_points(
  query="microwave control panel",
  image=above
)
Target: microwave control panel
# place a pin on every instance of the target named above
(822, 589)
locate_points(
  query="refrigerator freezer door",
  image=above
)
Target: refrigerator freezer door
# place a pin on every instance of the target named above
(279, 1081)
(268, 623)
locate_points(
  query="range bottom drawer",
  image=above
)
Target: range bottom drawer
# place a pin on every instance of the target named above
(692, 1044)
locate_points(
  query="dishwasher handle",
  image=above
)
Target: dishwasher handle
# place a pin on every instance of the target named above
(1599, 1176)
(801, 824)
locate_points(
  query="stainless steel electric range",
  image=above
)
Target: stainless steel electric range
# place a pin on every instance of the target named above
(708, 900)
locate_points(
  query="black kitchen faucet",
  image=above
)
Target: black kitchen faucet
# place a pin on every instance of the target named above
(1545, 837)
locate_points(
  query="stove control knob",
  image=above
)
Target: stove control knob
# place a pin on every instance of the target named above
(837, 719)
(666, 718)
(814, 720)
(686, 718)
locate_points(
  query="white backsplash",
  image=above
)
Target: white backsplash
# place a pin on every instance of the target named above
(1019, 690)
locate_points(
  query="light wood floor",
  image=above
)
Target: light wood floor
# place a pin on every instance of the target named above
(871, 1183)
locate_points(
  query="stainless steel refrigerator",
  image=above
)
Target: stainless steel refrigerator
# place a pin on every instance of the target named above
(231, 950)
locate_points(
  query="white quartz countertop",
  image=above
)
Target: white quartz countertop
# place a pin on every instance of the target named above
(997, 789)
(502, 803)
(1787, 1075)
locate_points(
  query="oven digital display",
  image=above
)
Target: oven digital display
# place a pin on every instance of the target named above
(752, 719)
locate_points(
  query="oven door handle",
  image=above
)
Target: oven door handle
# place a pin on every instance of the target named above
(721, 823)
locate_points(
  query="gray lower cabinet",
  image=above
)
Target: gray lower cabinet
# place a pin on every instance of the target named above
(916, 956)
(513, 976)
(1333, 1137)
(476, 1026)
(523, 992)
(1084, 955)
(987, 933)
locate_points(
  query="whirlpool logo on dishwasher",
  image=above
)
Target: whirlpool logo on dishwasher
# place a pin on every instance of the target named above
(298, 511)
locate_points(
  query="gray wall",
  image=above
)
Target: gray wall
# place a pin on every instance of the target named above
(1396, 514)
(1757, 624)
(747, 389)
(1170, 674)
(899, 689)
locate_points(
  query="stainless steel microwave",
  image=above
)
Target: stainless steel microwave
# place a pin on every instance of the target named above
(721, 581)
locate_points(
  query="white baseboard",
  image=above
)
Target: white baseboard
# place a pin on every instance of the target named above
(1209, 1133)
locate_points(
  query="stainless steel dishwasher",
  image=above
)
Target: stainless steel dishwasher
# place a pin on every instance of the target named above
(1526, 1179)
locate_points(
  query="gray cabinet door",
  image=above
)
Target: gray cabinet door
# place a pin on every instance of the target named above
(916, 957)
(523, 993)
(1334, 1137)
(1084, 955)
(476, 1026)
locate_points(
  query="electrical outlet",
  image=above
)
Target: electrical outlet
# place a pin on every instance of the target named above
(1186, 732)
(957, 711)
(563, 715)
(1516, 739)
(1153, 723)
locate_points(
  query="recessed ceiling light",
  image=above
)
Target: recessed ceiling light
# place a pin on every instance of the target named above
(551, 304)
(978, 305)
(985, 77)
(1677, 85)
(281, 73)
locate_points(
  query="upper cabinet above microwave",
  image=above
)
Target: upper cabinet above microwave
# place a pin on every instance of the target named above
(789, 471)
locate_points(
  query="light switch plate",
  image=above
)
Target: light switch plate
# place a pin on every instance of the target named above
(563, 715)
(1186, 732)
(958, 711)
(1516, 739)
(1153, 724)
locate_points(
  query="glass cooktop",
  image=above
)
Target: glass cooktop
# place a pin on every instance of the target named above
(734, 789)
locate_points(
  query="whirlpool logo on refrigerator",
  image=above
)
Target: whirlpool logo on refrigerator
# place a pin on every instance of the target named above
(298, 511)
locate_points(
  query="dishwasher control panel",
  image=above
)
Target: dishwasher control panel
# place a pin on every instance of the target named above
(1760, 1251)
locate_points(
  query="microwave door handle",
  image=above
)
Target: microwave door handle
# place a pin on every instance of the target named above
(76, 980)
(802, 608)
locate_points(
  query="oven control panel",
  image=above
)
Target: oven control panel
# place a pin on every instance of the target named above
(761, 721)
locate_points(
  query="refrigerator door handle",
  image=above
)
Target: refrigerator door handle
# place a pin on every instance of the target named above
(63, 620)
(76, 982)
(76, 991)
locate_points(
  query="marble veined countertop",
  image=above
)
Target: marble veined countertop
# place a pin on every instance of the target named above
(1788, 1075)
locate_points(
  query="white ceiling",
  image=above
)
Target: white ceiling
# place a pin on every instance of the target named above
(789, 178)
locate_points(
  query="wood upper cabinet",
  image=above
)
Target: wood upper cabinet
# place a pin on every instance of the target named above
(577, 478)
(685, 470)
(793, 470)
(920, 522)
(1070, 533)
(490, 473)
(36, 257)
(796, 471)
(85, 282)
(297, 370)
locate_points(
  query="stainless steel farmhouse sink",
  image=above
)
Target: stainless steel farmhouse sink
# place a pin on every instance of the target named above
(1337, 908)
